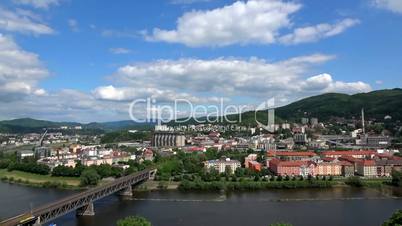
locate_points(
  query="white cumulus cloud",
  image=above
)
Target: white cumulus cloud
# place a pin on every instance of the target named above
(324, 83)
(23, 21)
(241, 22)
(254, 21)
(317, 32)
(41, 4)
(391, 5)
(229, 77)
(19, 71)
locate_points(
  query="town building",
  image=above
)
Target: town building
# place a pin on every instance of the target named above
(168, 139)
(354, 154)
(25, 154)
(148, 154)
(300, 138)
(348, 169)
(292, 168)
(221, 164)
(248, 159)
(255, 166)
(290, 155)
(366, 168)
(328, 168)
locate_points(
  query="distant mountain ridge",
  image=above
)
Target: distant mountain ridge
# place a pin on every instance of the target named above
(376, 104)
(25, 125)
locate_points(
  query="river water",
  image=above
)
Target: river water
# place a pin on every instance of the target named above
(304, 207)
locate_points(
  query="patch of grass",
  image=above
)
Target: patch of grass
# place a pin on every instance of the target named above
(36, 179)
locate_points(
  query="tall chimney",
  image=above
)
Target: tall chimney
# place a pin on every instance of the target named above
(364, 129)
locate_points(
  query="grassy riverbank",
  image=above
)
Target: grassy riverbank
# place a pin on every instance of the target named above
(157, 185)
(253, 185)
(39, 180)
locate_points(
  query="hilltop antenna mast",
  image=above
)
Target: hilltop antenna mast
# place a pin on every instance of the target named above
(364, 129)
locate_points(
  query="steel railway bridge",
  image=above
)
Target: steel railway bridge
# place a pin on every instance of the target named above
(81, 202)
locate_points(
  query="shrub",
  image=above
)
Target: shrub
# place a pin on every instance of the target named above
(354, 181)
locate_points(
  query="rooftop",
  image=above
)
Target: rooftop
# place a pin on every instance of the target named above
(290, 153)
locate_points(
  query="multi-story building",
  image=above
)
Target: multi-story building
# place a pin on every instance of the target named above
(248, 159)
(168, 139)
(289, 155)
(328, 168)
(221, 164)
(25, 154)
(300, 138)
(255, 166)
(314, 121)
(96, 161)
(292, 168)
(366, 168)
(376, 141)
(148, 154)
(354, 154)
(385, 166)
(348, 169)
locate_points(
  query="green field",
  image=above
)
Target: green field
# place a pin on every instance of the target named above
(36, 179)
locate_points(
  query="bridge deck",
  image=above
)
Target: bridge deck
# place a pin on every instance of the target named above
(60, 207)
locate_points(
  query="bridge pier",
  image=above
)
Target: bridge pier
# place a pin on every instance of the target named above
(37, 222)
(82, 202)
(128, 191)
(87, 210)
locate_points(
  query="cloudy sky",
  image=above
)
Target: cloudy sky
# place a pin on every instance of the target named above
(87, 60)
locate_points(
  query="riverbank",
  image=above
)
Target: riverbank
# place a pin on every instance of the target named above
(47, 181)
(151, 185)
(36, 180)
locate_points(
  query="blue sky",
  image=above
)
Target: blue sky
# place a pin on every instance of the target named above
(87, 60)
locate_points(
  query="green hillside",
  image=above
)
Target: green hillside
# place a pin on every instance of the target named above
(376, 104)
(28, 125)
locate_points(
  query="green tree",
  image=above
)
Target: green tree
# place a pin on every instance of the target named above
(395, 220)
(211, 153)
(133, 221)
(354, 181)
(228, 171)
(89, 177)
(396, 178)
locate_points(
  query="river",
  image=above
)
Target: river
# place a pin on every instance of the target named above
(302, 207)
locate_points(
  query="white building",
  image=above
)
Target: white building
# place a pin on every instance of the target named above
(221, 164)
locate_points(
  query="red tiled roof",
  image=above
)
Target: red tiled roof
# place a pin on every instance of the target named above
(349, 159)
(291, 153)
(328, 159)
(366, 162)
(348, 152)
(345, 163)
(290, 163)
(254, 163)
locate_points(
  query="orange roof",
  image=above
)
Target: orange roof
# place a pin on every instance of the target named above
(290, 153)
(350, 159)
(328, 159)
(254, 163)
(297, 163)
(368, 162)
(345, 163)
(348, 152)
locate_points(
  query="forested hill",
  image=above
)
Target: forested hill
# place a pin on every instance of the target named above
(27, 125)
(376, 104)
